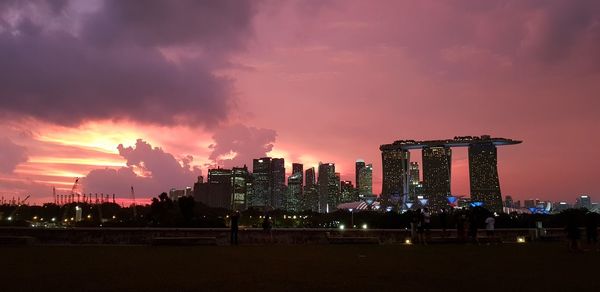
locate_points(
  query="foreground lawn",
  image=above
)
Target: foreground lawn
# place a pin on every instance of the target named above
(509, 267)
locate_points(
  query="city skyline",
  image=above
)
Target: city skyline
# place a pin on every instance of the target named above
(306, 82)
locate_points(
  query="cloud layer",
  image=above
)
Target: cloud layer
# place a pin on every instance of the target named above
(237, 145)
(11, 155)
(149, 170)
(71, 63)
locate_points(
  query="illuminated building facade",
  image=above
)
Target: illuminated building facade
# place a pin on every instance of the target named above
(241, 186)
(437, 162)
(263, 183)
(436, 175)
(395, 173)
(328, 187)
(483, 176)
(365, 180)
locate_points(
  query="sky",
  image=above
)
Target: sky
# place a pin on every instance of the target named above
(152, 93)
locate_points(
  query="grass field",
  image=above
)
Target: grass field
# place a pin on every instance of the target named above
(509, 267)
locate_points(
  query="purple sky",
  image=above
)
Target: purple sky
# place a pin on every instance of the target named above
(205, 83)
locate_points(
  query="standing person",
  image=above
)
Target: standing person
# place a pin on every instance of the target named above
(460, 226)
(267, 226)
(426, 224)
(443, 221)
(414, 223)
(490, 223)
(473, 226)
(235, 220)
(591, 229)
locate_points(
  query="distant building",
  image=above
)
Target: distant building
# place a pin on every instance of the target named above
(310, 177)
(561, 206)
(347, 192)
(310, 199)
(268, 183)
(328, 186)
(219, 176)
(414, 181)
(395, 174)
(358, 166)
(215, 195)
(298, 168)
(263, 184)
(279, 187)
(436, 175)
(241, 181)
(508, 202)
(365, 180)
(531, 203)
(584, 201)
(293, 197)
(483, 176)
(175, 194)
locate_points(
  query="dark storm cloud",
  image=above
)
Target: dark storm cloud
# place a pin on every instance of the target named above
(117, 62)
(11, 155)
(162, 172)
(246, 143)
(219, 25)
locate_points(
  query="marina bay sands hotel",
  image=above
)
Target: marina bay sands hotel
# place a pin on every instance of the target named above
(437, 159)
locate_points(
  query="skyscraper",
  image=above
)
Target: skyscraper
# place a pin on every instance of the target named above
(414, 180)
(310, 198)
(263, 181)
(436, 175)
(583, 201)
(483, 176)
(310, 177)
(298, 168)
(365, 180)
(241, 182)
(279, 188)
(359, 165)
(219, 176)
(293, 197)
(328, 195)
(347, 192)
(395, 173)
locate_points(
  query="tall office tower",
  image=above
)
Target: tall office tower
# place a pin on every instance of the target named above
(483, 175)
(279, 188)
(240, 181)
(311, 192)
(219, 176)
(293, 198)
(298, 168)
(262, 185)
(365, 181)
(217, 191)
(414, 180)
(508, 202)
(327, 187)
(310, 177)
(395, 173)
(436, 175)
(583, 201)
(360, 164)
(347, 192)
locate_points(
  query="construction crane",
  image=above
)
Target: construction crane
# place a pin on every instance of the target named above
(133, 199)
(14, 212)
(76, 189)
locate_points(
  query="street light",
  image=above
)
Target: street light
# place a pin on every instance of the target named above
(351, 217)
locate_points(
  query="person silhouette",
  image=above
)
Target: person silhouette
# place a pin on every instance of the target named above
(267, 226)
(235, 220)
